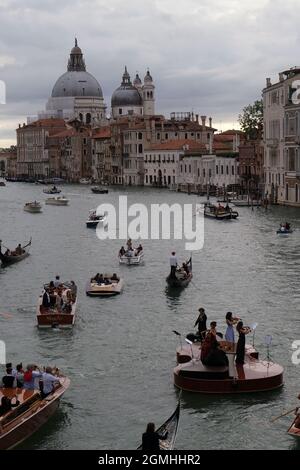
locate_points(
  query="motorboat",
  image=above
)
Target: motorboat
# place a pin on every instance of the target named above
(53, 190)
(34, 207)
(57, 201)
(95, 219)
(31, 413)
(110, 285)
(132, 257)
(283, 230)
(99, 190)
(85, 181)
(55, 315)
(219, 212)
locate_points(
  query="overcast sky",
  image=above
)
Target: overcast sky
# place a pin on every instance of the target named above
(209, 56)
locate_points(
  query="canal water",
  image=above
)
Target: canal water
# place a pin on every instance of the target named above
(121, 352)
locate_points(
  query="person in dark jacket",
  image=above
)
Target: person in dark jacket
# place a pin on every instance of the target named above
(151, 439)
(201, 322)
(7, 405)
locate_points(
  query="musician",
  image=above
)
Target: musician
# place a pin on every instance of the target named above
(201, 322)
(230, 320)
(151, 439)
(240, 348)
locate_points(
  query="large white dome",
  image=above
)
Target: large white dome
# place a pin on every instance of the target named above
(76, 83)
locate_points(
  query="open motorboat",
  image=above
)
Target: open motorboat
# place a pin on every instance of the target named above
(11, 257)
(85, 181)
(219, 212)
(168, 429)
(105, 286)
(284, 229)
(34, 207)
(61, 312)
(53, 190)
(57, 201)
(132, 257)
(31, 413)
(99, 190)
(95, 219)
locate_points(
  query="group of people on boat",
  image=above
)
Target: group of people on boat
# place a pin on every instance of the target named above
(211, 352)
(182, 271)
(30, 378)
(284, 227)
(59, 297)
(17, 252)
(104, 280)
(130, 251)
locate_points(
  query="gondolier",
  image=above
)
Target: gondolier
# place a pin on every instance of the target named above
(173, 264)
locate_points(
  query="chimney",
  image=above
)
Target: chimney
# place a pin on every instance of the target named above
(197, 117)
(203, 119)
(210, 122)
(268, 82)
(19, 125)
(281, 77)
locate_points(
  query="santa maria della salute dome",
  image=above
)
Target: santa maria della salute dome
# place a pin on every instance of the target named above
(78, 94)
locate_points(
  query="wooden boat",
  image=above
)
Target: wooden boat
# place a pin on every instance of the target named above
(132, 260)
(53, 190)
(33, 207)
(13, 258)
(284, 231)
(293, 430)
(220, 213)
(170, 426)
(254, 376)
(109, 289)
(54, 318)
(99, 190)
(95, 219)
(32, 412)
(181, 279)
(57, 201)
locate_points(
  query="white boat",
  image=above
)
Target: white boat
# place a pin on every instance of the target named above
(95, 219)
(53, 190)
(111, 286)
(132, 259)
(33, 207)
(57, 201)
(219, 212)
(85, 181)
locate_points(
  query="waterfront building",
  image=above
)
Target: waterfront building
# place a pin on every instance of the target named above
(7, 161)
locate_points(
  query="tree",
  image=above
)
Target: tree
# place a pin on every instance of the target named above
(251, 119)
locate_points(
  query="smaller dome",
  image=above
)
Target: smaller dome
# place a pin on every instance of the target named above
(148, 77)
(126, 94)
(137, 81)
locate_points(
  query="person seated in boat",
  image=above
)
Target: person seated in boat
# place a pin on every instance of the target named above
(151, 438)
(49, 382)
(216, 357)
(114, 277)
(107, 280)
(7, 253)
(240, 347)
(208, 341)
(129, 253)
(138, 250)
(100, 279)
(9, 380)
(7, 405)
(46, 301)
(30, 375)
(73, 290)
(122, 251)
(19, 250)
(287, 226)
(57, 281)
(67, 307)
(20, 375)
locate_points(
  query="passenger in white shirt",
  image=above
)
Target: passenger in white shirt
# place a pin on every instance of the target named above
(49, 382)
(57, 281)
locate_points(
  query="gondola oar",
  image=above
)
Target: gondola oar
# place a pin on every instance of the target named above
(283, 414)
(178, 334)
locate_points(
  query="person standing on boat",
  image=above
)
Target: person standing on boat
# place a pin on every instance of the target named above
(230, 320)
(46, 299)
(151, 439)
(49, 382)
(32, 373)
(240, 348)
(9, 380)
(57, 281)
(201, 322)
(173, 264)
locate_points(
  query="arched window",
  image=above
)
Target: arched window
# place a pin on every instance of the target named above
(80, 117)
(151, 94)
(140, 148)
(88, 118)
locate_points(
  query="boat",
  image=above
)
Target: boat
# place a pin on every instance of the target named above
(53, 190)
(110, 288)
(85, 181)
(135, 259)
(32, 412)
(57, 201)
(2, 183)
(170, 426)
(99, 190)
(181, 278)
(11, 257)
(34, 207)
(246, 202)
(52, 317)
(284, 231)
(293, 430)
(255, 375)
(95, 219)
(219, 212)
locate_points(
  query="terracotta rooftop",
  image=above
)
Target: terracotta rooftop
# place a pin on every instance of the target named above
(103, 133)
(178, 144)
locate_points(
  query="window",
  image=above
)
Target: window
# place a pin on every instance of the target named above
(140, 148)
(146, 179)
(181, 168)
(232, 170)
(120, 110)
(185, 168)
(227, 170)
(190, 168)
(217, 170)
(140, 136)
(88, 118)
(186, 135)
(158, 136)
(209, 172)
(203, 172)
(166, 136)
(222, 170)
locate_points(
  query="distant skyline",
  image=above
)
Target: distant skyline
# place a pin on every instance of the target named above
(207, 56)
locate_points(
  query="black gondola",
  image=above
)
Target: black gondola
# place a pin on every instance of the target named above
(180, 279)
(99, 190)
(6, 260)
(170, 426)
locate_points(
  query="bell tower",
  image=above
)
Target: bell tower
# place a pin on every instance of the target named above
(148, 95)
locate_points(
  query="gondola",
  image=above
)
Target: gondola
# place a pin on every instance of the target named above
(99, 190)
(170, 426)
(293, 430)
(11, 259)
(181, 279)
